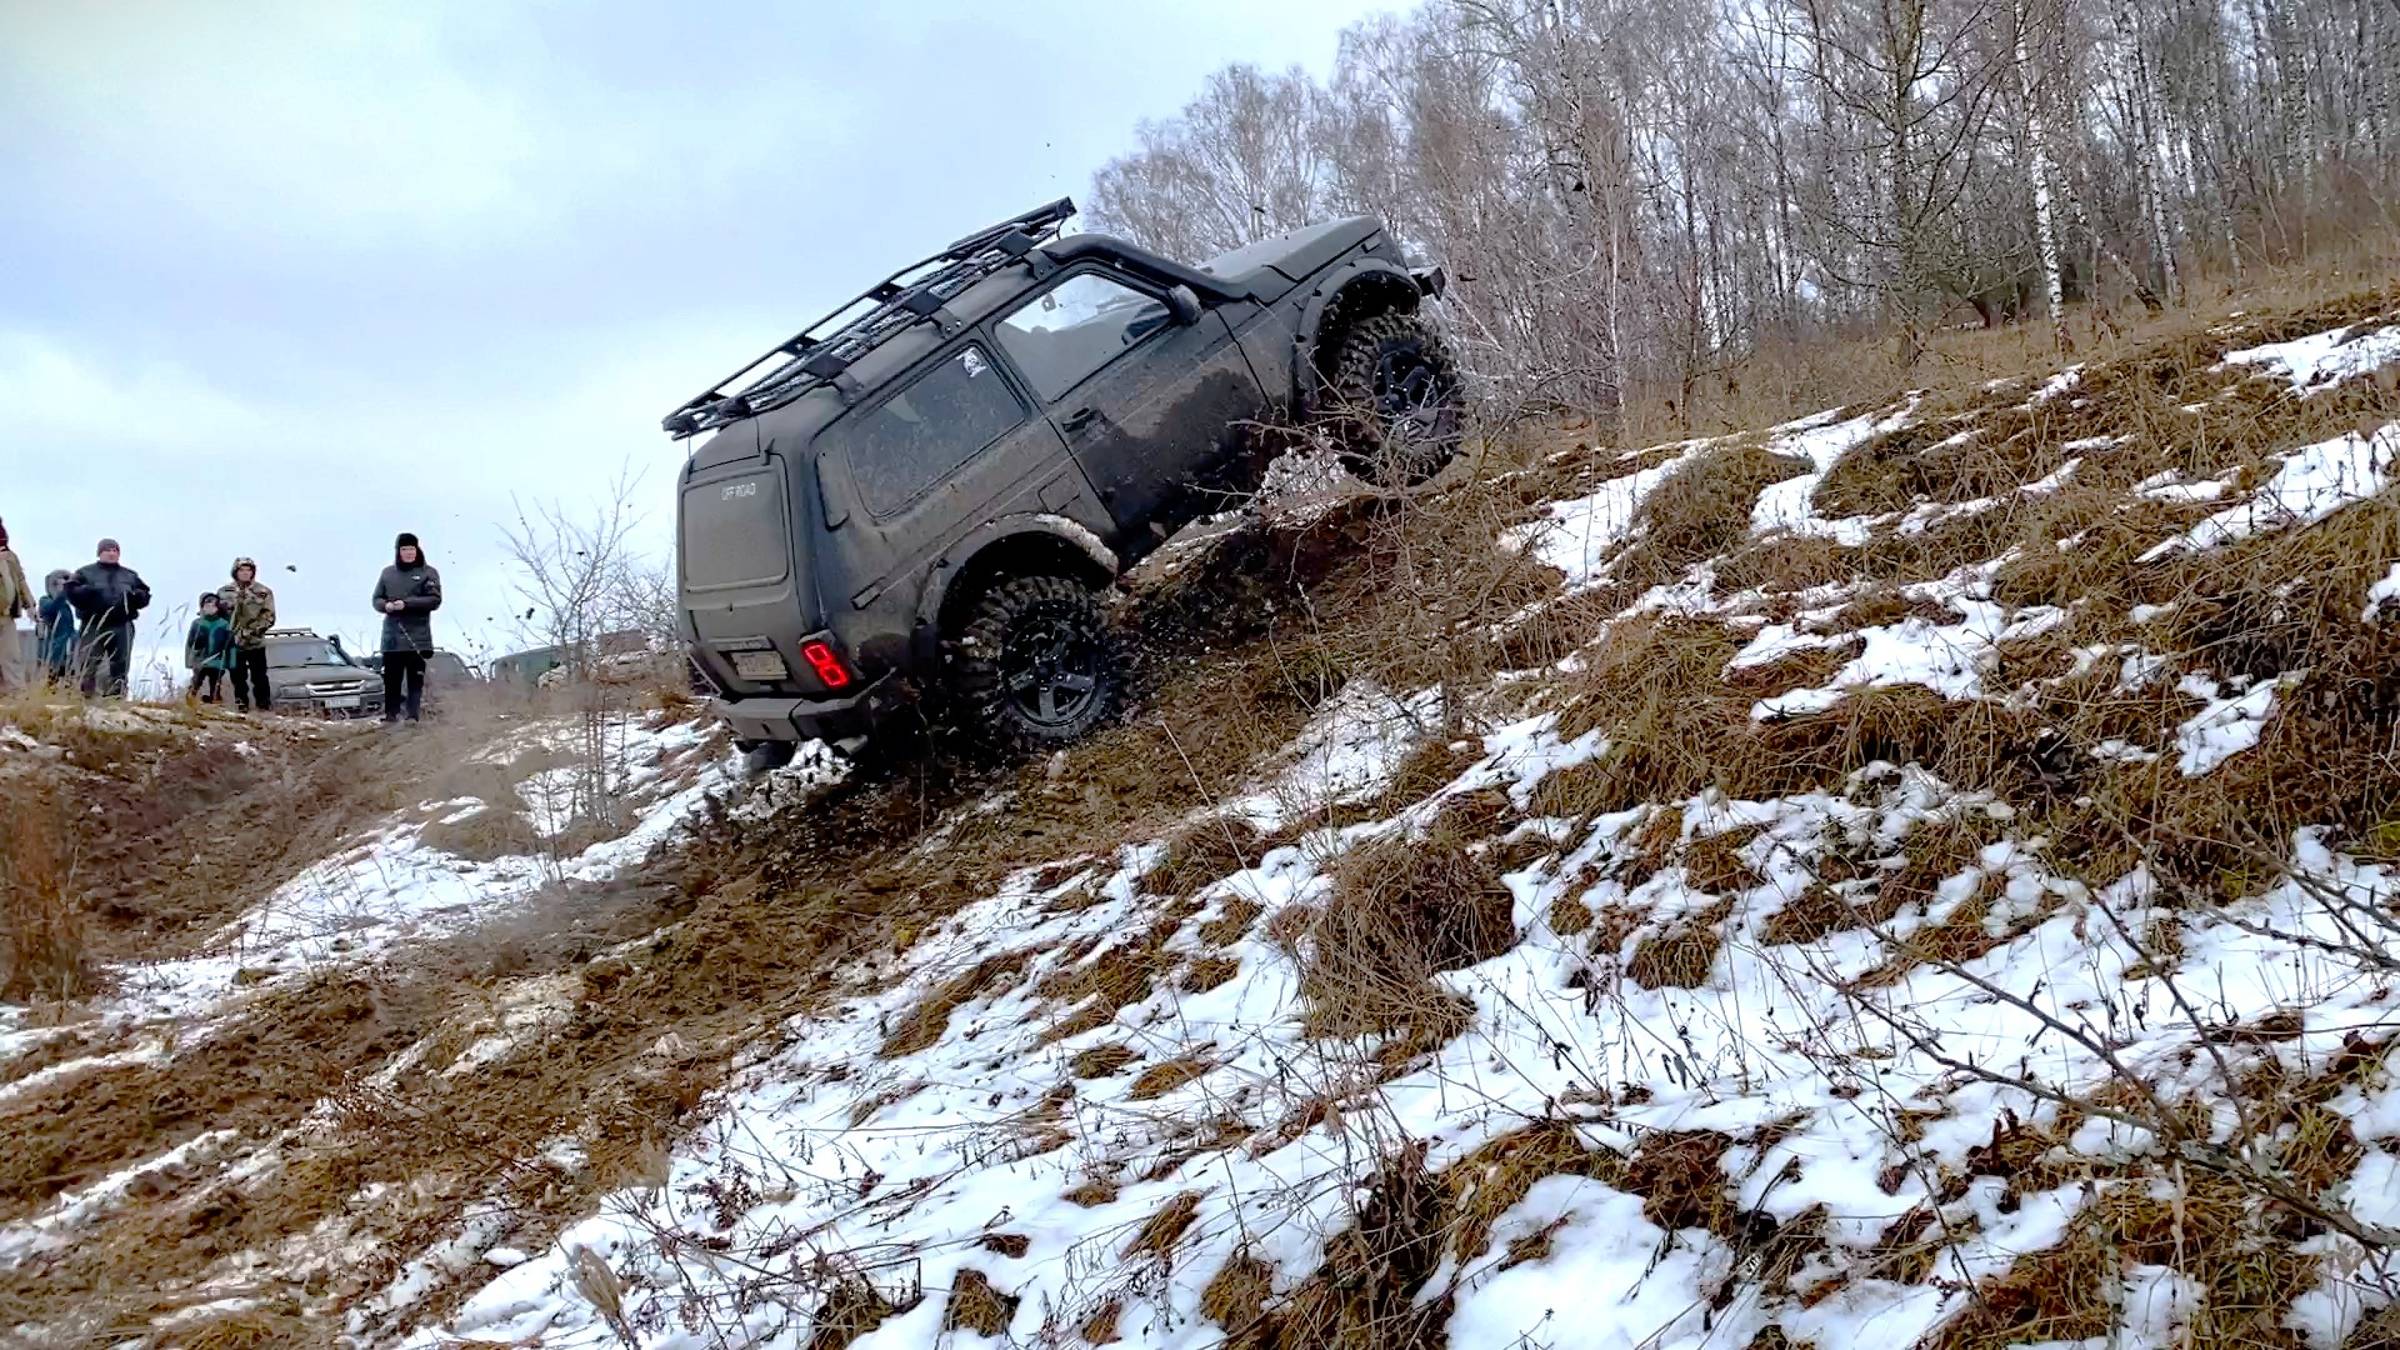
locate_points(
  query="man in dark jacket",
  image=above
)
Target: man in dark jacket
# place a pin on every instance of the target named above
(107, 596)
(407, 594)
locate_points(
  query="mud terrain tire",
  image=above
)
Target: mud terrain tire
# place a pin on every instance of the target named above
(1395, 398)
(1036, 665)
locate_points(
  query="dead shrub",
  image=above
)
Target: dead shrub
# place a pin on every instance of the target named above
(1364, 1295)
(1680, 957)
(1401, 911)
(1655, 690)
(44, 932)
(851, 1308)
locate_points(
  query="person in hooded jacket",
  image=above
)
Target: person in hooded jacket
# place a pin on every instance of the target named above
(208, 649)
(107, 596)
(16, 597)
(54, 631)
(250, 607)
(407, 594)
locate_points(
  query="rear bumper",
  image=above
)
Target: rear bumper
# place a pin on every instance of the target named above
(801, 719)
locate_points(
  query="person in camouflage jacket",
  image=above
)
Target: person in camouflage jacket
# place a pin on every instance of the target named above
(250, 606)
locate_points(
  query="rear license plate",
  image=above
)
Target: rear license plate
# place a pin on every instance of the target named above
(761, 666)
(344, 701)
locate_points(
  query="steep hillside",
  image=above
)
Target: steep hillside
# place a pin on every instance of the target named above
(1915, 876)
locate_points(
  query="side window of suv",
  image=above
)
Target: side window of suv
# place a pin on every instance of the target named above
(914, 439)
(1064, 334)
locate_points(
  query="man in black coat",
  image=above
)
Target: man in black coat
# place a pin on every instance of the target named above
(106, 596)
(406, 595)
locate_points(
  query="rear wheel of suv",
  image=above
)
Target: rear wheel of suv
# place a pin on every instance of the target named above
(1036, 664)
(1395, 398)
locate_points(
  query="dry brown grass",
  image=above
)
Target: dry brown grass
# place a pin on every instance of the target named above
(1699, 511)
(1162, 1078)
(1165, 1227)
(926, 1022)
(1401, 911)
(1101, 1061)
(977, 1305)
(45, 946)
(1681, 955)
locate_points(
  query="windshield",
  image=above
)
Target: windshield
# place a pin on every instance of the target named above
(444, 663)
(304, 652)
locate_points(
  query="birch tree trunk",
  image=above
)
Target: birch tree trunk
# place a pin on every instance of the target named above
(2045, 226)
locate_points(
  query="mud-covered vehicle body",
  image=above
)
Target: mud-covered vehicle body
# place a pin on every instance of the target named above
(921, 493)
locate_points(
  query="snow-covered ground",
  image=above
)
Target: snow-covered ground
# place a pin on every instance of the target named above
(1853, 1097)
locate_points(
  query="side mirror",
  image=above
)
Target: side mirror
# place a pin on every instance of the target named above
(1183, 304)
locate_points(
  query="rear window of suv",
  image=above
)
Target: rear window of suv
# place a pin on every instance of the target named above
(917, 437)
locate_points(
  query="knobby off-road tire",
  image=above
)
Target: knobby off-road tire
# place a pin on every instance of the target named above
(1394, 400)
(1036, 665)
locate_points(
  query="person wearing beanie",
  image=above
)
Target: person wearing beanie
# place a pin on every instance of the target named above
(407, 594)
(16, 597)
(54, 631)
(208, 649)
(250, 609)
(107, 596)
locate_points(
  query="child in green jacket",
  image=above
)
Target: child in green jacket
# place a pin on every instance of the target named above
(208, 650)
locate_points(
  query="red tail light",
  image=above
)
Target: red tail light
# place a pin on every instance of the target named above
(822, 659)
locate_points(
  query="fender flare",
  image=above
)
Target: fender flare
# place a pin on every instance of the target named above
(958, 559)
(1374, 272)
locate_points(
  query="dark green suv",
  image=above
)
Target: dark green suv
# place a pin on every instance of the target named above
(921, 493)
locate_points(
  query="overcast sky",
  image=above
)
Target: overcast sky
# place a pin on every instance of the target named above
(283, 280)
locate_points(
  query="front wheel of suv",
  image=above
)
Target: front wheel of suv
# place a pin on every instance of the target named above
(1395, 399)
(1036, 665)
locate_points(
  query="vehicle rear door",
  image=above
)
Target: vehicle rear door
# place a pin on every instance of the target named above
(1149, 406)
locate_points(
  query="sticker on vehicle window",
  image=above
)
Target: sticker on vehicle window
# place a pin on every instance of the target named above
(973, 362)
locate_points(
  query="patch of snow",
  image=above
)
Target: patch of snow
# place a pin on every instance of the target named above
(1950, 659)
(1581, 531)
(1355, 742)
(2314, 482)
(54, 1228)
(2058, 384)
(2226, 727)
(2382, 593)
(1821, 441)
(2320, 361)
(390, 887)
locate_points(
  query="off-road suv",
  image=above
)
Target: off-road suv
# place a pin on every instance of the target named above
(922, 492)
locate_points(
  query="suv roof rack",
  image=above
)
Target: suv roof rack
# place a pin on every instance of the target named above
(822, 353)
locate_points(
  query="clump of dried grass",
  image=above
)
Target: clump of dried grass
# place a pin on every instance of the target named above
(1680, 956)
(45, 943)
(1701, 510)
(1401, 911)
(977, 1305)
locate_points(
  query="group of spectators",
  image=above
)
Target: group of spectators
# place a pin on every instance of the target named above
(84, 628)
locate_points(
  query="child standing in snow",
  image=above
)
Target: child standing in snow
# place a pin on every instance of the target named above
(208, 650)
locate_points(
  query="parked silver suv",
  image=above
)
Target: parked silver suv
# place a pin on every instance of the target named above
(306, 671)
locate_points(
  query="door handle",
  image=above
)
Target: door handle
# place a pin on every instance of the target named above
(1079, 419)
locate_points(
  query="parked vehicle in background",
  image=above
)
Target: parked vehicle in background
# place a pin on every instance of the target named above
(309, 671)
(440, 665)
(921, 493)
